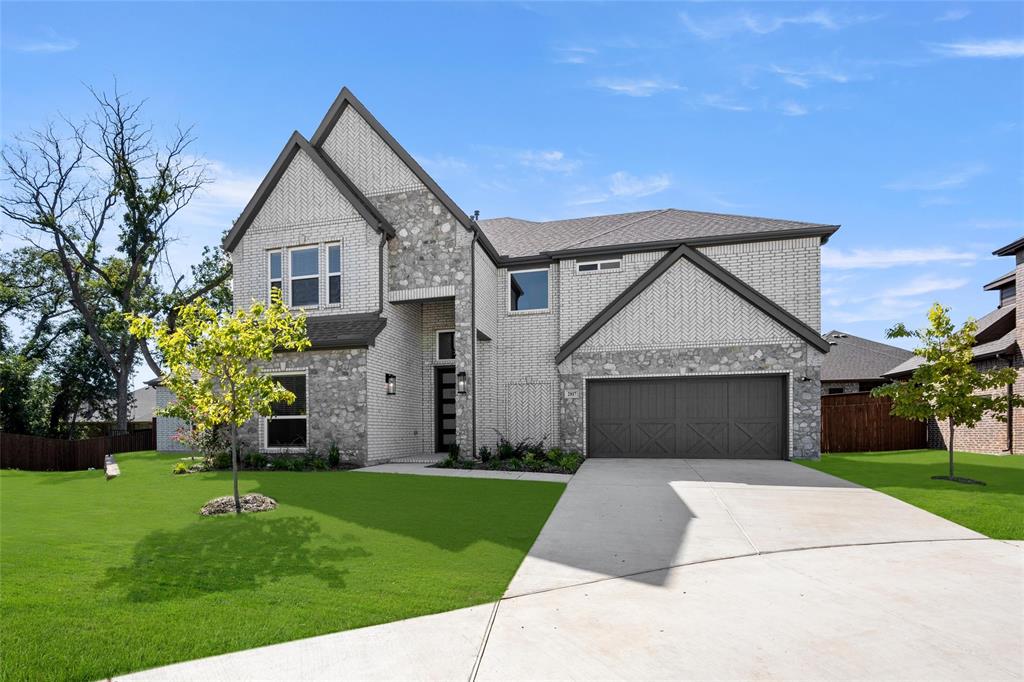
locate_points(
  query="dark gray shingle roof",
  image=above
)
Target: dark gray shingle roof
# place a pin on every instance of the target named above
(853, 358)
(515, 237)
(344, 331)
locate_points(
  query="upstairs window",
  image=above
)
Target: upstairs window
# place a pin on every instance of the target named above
(446, 345)
(334, 273)
(274, 265)
(304, 277)
(286, 427)
(528, 290)
(598, 265)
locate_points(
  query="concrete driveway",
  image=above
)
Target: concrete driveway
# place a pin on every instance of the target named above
(697, 569)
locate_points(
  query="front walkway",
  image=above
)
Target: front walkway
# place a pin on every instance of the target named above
(424, 469)
(704, 569)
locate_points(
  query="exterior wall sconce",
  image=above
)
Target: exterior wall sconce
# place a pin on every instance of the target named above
(460, 383)
(389, 382)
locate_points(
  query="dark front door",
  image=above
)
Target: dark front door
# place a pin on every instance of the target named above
(444, 408)
(740, 417)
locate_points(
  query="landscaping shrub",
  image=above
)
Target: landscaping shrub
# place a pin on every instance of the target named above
(180, 468)
(484, 454)
(333, 456)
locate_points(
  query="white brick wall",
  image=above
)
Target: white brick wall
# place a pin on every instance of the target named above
(305, 209)
(686, 307)
(787, 271)
(585, 294)
(486, 293)
(167, 427)
(365, 158)
(527, 380)
(394, 422)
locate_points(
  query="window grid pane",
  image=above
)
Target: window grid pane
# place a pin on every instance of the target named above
(334, 289)
(296, 383)
(305, 262)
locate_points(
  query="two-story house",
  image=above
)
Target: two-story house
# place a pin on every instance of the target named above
(662, 333)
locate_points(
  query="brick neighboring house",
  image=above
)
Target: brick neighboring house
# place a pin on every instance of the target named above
(998, 345)
(660, 333)
(856, 364)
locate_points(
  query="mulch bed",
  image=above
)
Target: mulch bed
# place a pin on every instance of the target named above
(253, 502)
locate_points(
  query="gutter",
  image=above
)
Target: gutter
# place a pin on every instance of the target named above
(380, 274)
(472, 333)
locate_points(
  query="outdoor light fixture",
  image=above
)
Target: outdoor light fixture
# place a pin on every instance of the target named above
(389, 381)
(461, 382)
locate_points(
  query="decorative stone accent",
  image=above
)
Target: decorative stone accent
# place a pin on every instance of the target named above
(795, 359)
(423, 254)
(336, 396)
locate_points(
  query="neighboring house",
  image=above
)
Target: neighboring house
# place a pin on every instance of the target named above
(856, 364)
(998, 344)
(660, 333)
(141, 408)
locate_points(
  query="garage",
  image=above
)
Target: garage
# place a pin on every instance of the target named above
(735, 417)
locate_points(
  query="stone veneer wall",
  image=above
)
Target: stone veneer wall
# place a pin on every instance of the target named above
(794, 359)
(336, 398)
(168, 427)
(989, 435)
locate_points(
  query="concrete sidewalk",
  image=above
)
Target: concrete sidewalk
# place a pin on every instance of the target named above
(675, 569)
(424, 469)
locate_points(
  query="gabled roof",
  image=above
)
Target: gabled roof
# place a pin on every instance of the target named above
(297, 144)
(1002, 281)
(344, 99)
(853, 358)
(1010, 249)
(353, 330)
(717, 272)
(516, 238)
(1001, 346)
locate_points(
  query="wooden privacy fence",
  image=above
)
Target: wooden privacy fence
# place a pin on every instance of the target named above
(858, 422)
(35, 453)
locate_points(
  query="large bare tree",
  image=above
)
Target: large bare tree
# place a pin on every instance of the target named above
(99, 196)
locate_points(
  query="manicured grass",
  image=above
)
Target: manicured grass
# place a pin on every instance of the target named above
(995, 509)
(101, 578)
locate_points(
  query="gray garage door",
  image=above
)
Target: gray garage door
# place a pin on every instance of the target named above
(707, 417)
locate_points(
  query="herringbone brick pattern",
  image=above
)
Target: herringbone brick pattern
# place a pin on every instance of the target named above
(365, 158)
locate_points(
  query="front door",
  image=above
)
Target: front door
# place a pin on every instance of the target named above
(444, 408)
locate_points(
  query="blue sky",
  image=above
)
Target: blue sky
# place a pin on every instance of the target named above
(902, 122)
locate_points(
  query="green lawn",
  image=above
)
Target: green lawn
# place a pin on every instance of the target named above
(996, 509)
(101, 578)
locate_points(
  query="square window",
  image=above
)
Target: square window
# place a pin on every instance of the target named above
(304, 262)
(306, 291)
(528, 290)
(305, 276)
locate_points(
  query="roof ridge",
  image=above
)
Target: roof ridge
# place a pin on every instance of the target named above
(617, 227)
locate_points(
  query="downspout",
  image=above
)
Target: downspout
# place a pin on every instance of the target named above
(380, 273)
(472, 332)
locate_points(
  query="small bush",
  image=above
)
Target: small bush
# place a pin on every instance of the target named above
(295, 464)
(255, 460)
(533, 462)
(334, 456)
(484, 454)
(180, 468)
(280, 463)
(569, 461)
(220, 460)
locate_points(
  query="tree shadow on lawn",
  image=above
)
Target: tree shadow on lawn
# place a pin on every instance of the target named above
(449, 513)
(220, 554)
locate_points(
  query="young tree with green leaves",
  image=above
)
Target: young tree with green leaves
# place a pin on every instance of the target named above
(947, 386)
(213, 363)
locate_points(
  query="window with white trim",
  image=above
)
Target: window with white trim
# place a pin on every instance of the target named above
(304, 276)
(286, 425)
(274, 271)
(598, 265)
(446, 344)
(334, 273)
(528, 290)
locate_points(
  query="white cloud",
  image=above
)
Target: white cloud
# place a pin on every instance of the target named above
(51, 43)
(574, 55)
(623, 185)
(790, 108)
(839, 259)
(939, 181)
(636, 87)
(991, 49)
(441, 162)
(925, 284)
(746, 22)
(723, 102)
(890, 303)
(955, 14)
(217, 204)
(804, 78)
(548, 160)
(996, 224)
